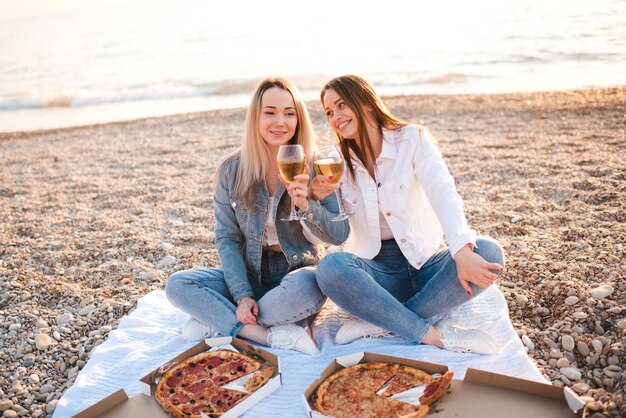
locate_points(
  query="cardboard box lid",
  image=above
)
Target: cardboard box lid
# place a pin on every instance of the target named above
(486, 394)
(481, 394)
(118, 405)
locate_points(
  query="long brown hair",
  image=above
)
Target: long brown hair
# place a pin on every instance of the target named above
(360, 97)
(254, 153)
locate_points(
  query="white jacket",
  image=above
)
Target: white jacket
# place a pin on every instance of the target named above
(418, 199)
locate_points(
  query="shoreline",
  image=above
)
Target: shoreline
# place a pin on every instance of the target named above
(310, 104)
(93, 217)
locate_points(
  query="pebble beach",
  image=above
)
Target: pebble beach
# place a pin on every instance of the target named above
(92, 218)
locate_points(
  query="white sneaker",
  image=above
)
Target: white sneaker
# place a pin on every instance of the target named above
(464, 340)
(357, 328)
(291, 337)
(194, 330)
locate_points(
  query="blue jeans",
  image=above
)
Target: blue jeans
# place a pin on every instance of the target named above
(390, 293)
(283, 296)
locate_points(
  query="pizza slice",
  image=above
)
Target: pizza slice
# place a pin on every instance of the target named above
(407, 378)
(378, 406)
(224, 365)
(436, 389)
(213, 403)
(259, 378)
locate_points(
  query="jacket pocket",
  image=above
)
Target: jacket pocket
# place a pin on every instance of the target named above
(241, 212)
(403, 184)
(352, 202)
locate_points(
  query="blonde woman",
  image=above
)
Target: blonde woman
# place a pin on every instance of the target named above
(266, 283)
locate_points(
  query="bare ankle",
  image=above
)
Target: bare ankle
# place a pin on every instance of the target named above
(433, 337)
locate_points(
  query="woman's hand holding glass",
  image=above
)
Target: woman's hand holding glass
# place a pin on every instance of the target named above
(329, 169)
(298, 190)
(293, 171)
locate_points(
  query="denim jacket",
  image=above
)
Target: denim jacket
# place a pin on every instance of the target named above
(239, 230)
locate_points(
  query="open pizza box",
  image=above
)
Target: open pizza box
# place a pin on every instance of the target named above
(119, 405)
(481, 394)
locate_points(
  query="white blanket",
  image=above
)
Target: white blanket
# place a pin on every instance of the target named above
(150, 336)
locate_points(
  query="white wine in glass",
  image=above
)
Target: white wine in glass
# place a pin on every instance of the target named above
(291, 163)
(328, 162)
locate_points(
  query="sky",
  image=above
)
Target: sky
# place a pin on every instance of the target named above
(12, 9)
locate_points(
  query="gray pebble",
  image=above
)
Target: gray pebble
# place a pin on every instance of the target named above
(64, 318)
(528, 342)
(567, 342)
(602, 291)
(597, 345)
(571, 373)
(46, 388)
(51, 405)
(86, 310)
(168, 260)
(41, 324)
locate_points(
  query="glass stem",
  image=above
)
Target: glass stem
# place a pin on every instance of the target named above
(342, 211)
(293, 208)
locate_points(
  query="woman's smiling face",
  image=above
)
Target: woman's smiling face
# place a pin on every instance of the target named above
(278, 119)
(341, 118)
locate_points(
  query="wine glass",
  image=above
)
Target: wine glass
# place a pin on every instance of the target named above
(291, 163)
(328, 162)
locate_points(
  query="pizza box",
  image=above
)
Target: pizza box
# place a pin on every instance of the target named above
(119, 405)
(480, 394)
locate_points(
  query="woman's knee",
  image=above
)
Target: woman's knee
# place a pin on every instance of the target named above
(175, 284)
(490, 250)
(304, 280)
(329, 270)
(307, 286)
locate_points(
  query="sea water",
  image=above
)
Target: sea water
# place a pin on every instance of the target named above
(94, 62)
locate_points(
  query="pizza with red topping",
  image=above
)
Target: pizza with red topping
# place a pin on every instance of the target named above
(193, 386)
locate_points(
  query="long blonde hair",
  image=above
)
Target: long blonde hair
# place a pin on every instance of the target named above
(359, 95)
(254, 152)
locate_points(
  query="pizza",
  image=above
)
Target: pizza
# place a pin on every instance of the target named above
(193, 386)
(353, 391)
(437, 388)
